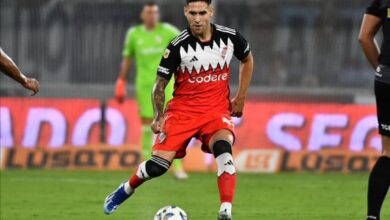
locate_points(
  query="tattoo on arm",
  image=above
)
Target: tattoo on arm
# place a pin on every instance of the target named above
(158, 95)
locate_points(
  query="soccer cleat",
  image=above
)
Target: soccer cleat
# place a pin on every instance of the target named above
(223, 215)
(116, 198)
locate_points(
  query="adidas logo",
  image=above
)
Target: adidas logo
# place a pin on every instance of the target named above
(229, 163)
(194, 59)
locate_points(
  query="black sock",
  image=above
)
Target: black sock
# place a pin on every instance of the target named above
(378, 186)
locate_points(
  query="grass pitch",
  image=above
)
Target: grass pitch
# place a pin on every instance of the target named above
(66, 195)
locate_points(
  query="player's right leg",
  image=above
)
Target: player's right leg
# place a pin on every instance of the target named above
(156, 166)
(379, 180)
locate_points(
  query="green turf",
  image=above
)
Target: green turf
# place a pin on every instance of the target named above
(65, 195)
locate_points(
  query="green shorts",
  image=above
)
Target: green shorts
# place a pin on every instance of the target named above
(143, 95)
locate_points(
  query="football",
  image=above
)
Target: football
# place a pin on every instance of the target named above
(171, 213)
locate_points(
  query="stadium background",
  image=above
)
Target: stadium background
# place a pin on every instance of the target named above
(310, 107)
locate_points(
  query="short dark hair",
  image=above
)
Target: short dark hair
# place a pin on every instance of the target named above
(207, 1)
(150, 3)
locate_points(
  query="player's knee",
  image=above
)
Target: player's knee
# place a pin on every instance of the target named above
(386, 146)
(223, 154)
(156, 166)
(220, 147)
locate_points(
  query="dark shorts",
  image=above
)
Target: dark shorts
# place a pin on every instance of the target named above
(382, 94)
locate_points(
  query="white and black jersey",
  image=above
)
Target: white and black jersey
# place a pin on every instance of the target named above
(202, 69)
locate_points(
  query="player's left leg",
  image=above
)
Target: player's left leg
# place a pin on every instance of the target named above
(152, 168)
(379, 180)
(221, 146)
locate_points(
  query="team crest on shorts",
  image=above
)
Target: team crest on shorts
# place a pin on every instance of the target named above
(162, 137)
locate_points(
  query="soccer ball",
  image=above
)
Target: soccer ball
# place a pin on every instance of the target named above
(171, 213)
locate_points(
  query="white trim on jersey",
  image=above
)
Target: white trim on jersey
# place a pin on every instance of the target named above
(225, 29)
(163, 70)
(183, 35)
(181, 39)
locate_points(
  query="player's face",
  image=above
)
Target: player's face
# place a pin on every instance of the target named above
(198, 16)
(150, 15)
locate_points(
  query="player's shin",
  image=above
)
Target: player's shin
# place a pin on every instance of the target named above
(226, 174)
(152, 168)
(378, 186)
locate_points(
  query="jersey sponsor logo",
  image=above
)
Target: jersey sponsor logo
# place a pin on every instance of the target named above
(166, 53)
(208, 78)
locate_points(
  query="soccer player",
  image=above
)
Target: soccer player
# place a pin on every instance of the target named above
(377, 16)
(10, 69)
(146, 43)
(199, 58)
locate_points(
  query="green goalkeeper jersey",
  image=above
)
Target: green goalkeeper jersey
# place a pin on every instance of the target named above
(147, 48)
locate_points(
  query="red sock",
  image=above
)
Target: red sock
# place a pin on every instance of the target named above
(226, 186)
(135, 181)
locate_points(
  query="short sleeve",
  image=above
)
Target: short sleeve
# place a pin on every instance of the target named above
(170, 62)
(241, 46)
(375, 9)
(129, 48)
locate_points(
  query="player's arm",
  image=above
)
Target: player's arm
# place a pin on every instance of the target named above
(120, 87)
(10, 69)
(369, 28)
(125, 68)
(158, 100)
(127, 53)
(243, 53)
(245, 77)
(168, 66)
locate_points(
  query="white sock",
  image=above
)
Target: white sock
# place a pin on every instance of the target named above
(127, 187)
(226, 206)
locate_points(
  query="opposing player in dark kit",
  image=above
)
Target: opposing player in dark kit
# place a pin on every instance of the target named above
(377, 16)
(199, 58)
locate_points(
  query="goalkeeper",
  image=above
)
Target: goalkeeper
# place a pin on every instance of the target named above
(145, 44)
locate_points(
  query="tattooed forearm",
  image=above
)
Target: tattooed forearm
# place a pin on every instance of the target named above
(158, 96)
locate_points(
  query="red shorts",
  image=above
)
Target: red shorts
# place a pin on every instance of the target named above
(178, 131)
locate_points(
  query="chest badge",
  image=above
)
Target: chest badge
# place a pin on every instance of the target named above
(224, 52)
